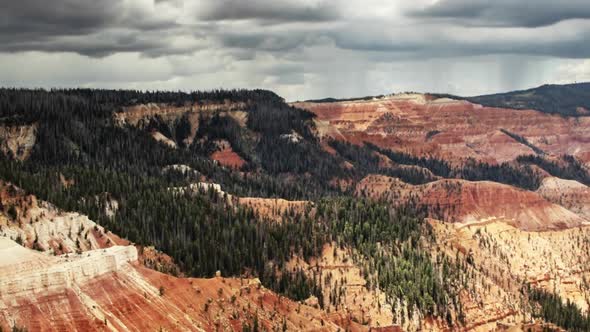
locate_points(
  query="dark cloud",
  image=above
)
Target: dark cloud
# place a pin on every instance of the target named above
(278, 11)
(61, 16)
(279, 42)
(519, 13)
(93, 28)
(392, 51)
(434, 40)
(72, 17)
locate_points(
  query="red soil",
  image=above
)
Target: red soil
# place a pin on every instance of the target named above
(228, 158)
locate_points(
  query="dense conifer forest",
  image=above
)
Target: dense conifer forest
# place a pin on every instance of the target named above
(565, 100)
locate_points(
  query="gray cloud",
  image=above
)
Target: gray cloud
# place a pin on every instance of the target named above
(261, 41)
(564, 40)
(522, 13)
(278, 11)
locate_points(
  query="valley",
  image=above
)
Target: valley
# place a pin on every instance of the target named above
(232, 210)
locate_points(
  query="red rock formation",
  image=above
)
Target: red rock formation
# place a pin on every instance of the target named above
(475, 202)
(420, 124)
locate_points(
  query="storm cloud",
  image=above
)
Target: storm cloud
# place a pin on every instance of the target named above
(301, 49)
(520, 13)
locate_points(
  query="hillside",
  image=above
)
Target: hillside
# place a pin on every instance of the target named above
(108, 289)
(92, 267)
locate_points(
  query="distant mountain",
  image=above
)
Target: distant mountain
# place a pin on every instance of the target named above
(569, 99)
(336, 100)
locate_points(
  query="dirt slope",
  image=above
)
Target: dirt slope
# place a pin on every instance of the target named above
(421, 124)
(552, 260)
(568, 193)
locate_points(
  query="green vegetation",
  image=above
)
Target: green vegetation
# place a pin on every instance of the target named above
(567, 167)
(522, 176)
(76, 128)
(366, 162)
(391, 247)
(524, 141)
(551, 308)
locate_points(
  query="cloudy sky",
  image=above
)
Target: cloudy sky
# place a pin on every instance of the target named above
(299, 48)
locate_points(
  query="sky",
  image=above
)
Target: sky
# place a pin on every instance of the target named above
(301, 49)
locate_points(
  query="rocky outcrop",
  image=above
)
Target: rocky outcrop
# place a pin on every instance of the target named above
(142, 115)
(473, 202)
(40, 225)
(23, 271)
(158, 136)
(18, 141)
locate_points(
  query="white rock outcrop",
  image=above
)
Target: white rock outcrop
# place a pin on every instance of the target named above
(25, 271)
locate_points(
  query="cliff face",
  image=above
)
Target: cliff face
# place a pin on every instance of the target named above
(24, 271)
(476, 202)
(107, 289)
(141, 115)
(421, 124)
(40, 225)
(468, 202)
